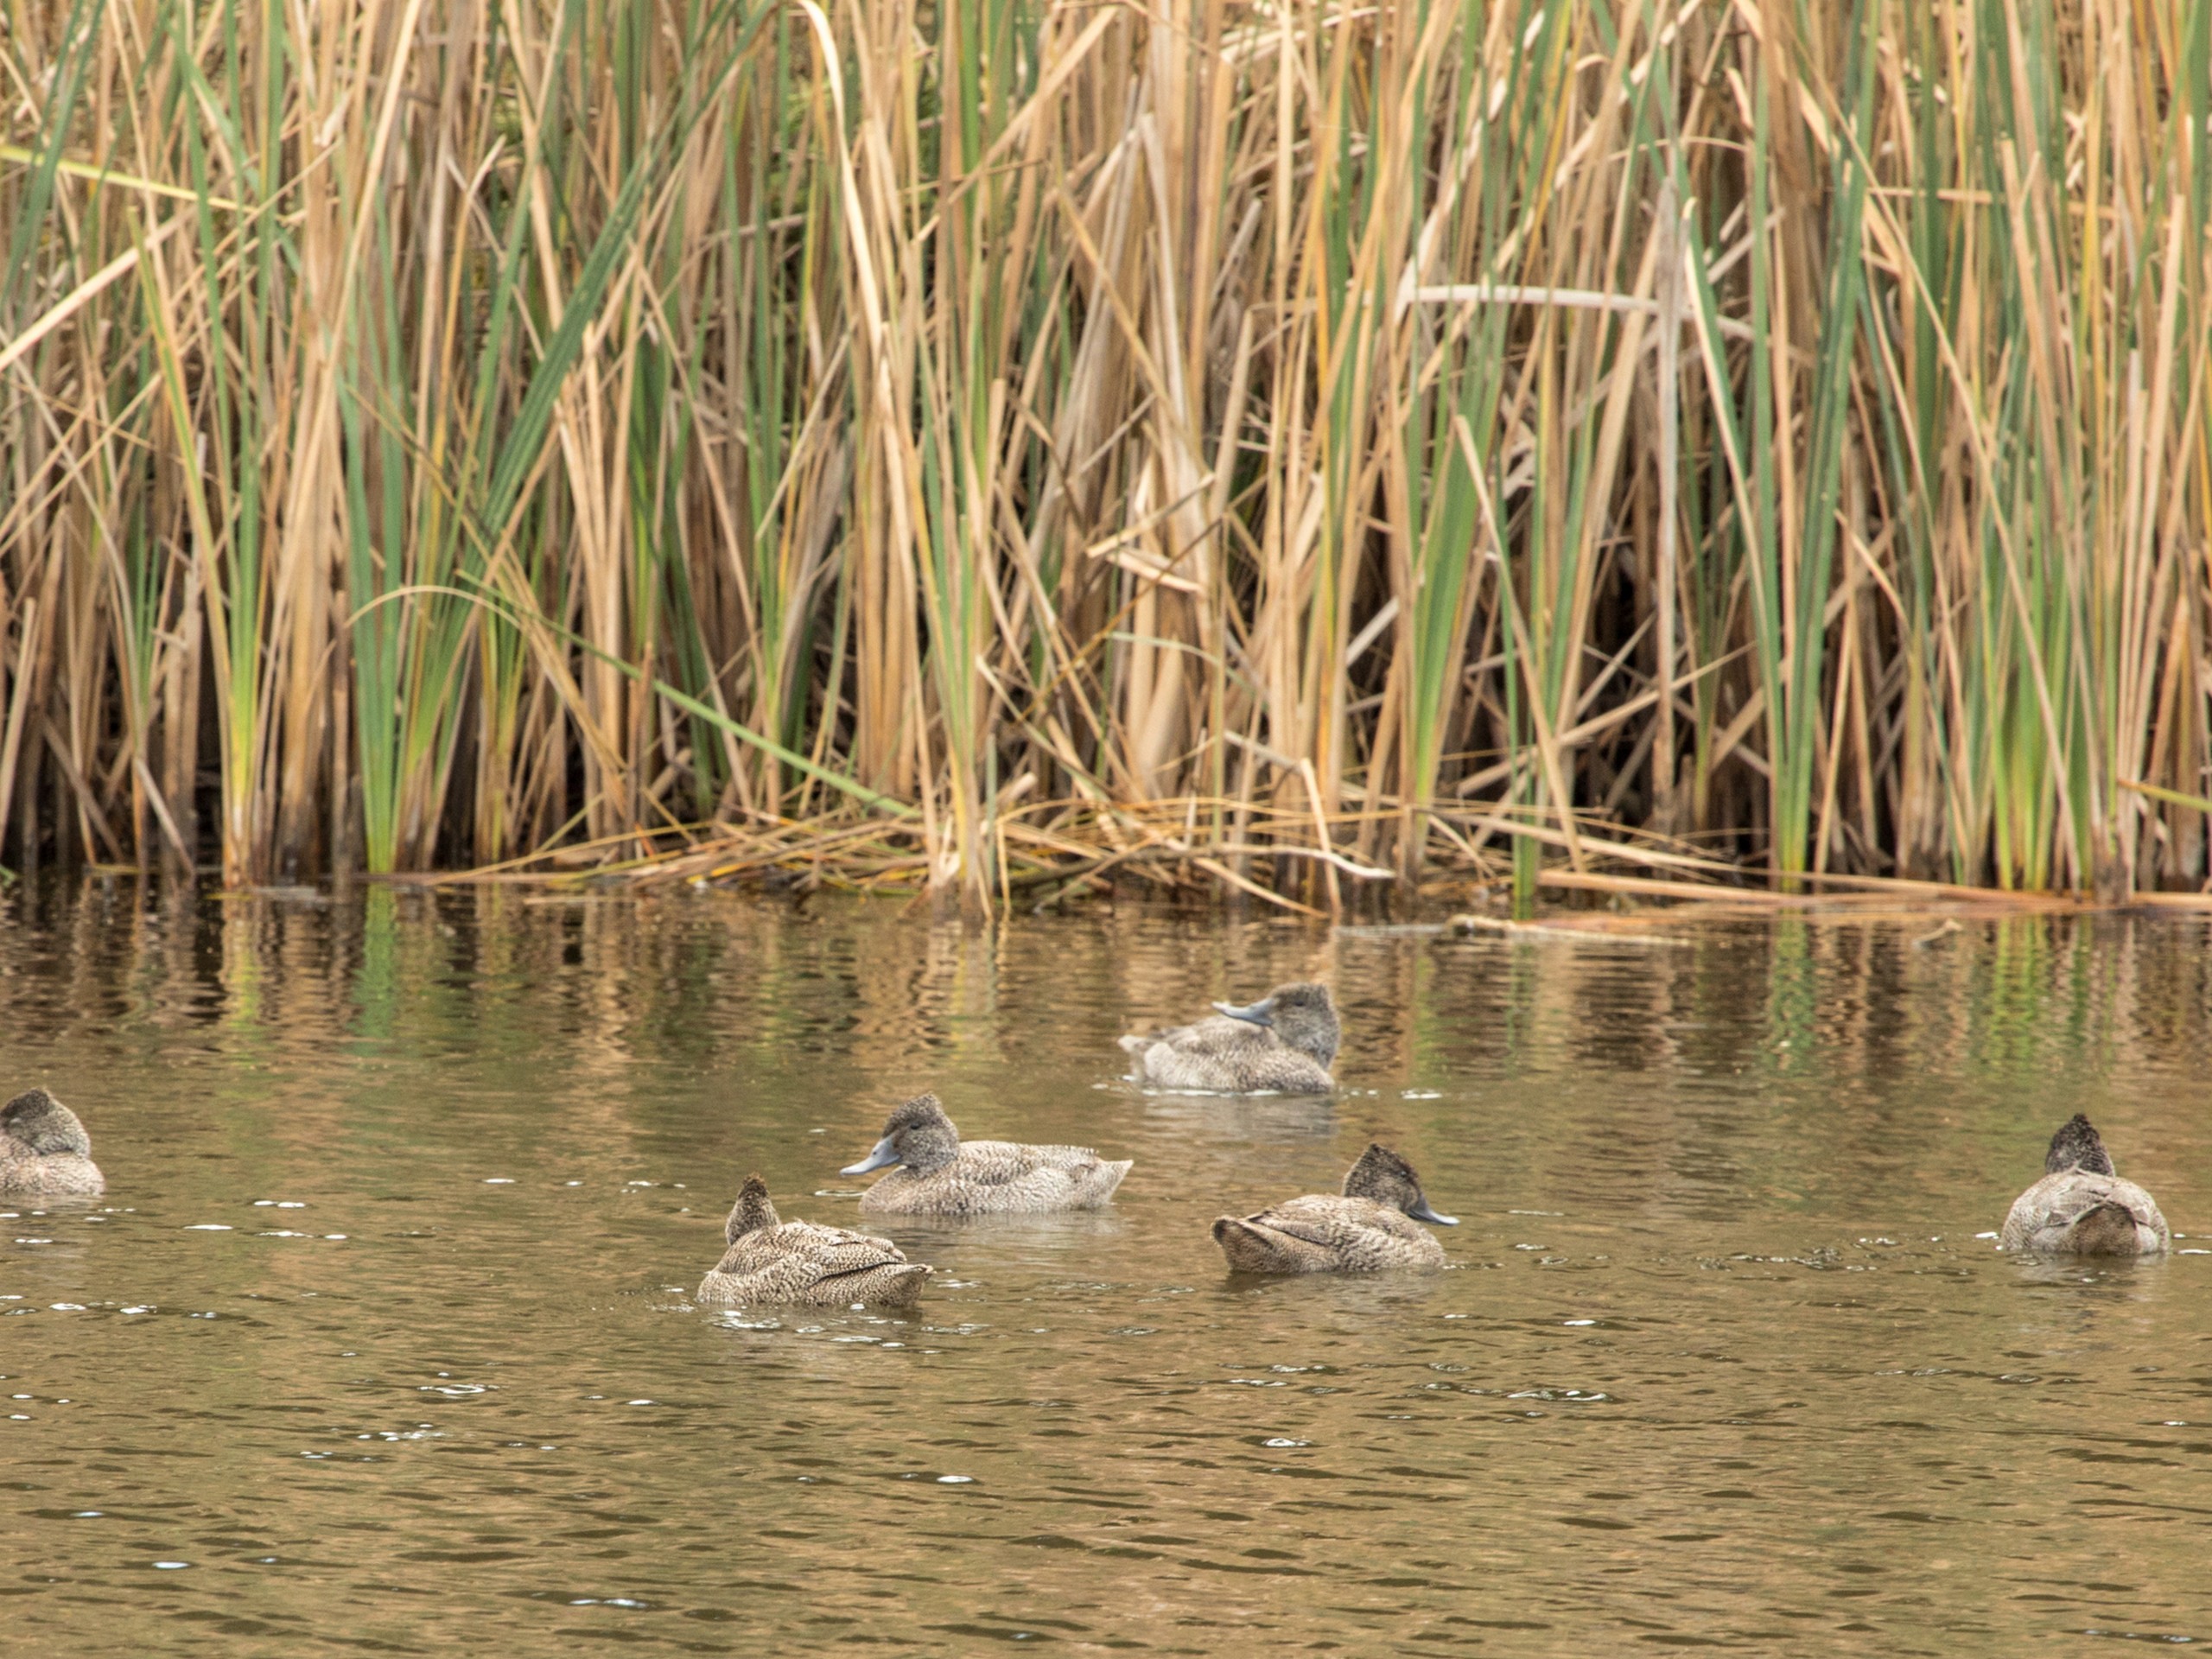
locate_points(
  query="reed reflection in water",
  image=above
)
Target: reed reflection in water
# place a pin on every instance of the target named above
(382, 1330)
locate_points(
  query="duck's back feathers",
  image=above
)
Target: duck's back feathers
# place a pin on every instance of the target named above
(803, 1262)
(44, 1149)
(999, 1178)
(1224, 1055)
(1319, 1233)
(2081, 1212)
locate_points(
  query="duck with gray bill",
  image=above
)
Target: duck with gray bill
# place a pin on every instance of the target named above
(1370, 1228)
(1284, 1044)
(2080, 1207)
(44, 1151)
(799, 1262)
(934, 1172)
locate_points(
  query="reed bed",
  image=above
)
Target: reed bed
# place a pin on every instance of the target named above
(998, 447)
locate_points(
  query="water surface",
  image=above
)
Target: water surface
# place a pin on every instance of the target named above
(381, 1339)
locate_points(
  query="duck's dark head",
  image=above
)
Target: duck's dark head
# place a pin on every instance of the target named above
(1383, 1176)
(40, 1122)
(753, 1212)
(2077, 1145)
(918, 1134)
(1302, 1015)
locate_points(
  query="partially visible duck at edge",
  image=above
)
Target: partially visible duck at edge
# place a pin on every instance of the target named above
(771, 1260)
(2080, 1207)
(938, 1174)
(1283, 1044)
(1373, 1228)
(44, 1149)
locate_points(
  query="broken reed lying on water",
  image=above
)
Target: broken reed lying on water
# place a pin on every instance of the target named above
(1784, 427)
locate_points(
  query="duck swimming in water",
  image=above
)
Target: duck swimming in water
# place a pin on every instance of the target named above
(1283, 1044)
(1372, 1228)
(2080, 1207)
(940, 1175)
(44, 1150)
(796, 1261)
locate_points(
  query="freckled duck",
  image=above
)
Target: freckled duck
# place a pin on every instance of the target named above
(2080, 1207)
(1372, 1228)
(1283, 1044)
(796, 1261)
(44, 1150)
(937, 1174)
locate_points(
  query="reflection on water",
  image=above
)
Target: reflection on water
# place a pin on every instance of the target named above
(381, 1338)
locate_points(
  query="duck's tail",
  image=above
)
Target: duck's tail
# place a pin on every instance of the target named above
(1111, 1172)
(2108, 1228)
(892, 1285)
(1249, 1248)
(1253, 1247)
(905, 1285)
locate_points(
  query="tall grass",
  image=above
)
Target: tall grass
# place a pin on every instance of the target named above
(1004, 441)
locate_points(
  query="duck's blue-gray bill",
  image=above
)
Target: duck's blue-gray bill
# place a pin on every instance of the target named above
(1261, 1013)
(885, 1153)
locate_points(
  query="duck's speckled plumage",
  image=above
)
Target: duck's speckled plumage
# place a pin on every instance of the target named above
(1283, 1044)
(940, 1174)
(1369, 1228)
(44, 1151)
(2080, 1207)
(799, 1262)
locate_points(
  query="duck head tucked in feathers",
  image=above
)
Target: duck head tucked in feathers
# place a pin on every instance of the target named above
(44, 1125)
(1303, 1016)
(754, 1211)
(44, 1148)
(2077, 1145)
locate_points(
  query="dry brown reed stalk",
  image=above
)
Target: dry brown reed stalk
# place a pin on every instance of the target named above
(1004, 447)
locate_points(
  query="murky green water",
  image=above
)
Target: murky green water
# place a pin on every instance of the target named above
(1721, 1361)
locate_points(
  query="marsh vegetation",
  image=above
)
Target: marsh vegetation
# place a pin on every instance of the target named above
(1260, 448)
